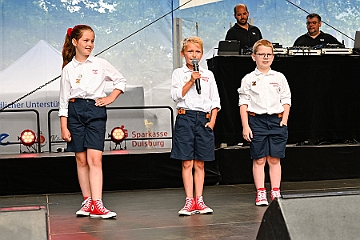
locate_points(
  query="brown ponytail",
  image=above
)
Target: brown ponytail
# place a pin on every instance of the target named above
(68, 51)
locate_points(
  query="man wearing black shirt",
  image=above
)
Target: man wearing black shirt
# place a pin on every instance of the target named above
(314, 37)
(242, 31)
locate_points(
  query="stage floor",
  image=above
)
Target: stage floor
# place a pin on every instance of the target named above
(152, 213)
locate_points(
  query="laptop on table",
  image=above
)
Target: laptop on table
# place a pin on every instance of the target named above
(229, 48)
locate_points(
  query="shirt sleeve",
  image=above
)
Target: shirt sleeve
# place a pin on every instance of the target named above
(333, 40)
(260, 35)
(285, 94)
(64, 93)
(296, 43)
(230, 35)
(215, 98)
(176, 86)
(112, 74)
(244, 96)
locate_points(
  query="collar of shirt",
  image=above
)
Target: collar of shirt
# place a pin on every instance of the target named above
(249, 26)
(258, 72)
(186, 69)
(77, 63)
(320, 34)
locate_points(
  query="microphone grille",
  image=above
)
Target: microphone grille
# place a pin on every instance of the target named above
(194, 61)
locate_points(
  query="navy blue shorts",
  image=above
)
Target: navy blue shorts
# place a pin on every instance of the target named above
(269, 139)
(87, 125)
(192, 140)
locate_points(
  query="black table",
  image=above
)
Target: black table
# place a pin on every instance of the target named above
(325, 97)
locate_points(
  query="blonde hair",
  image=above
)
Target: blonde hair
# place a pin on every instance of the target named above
(192, 40)
(262, 42)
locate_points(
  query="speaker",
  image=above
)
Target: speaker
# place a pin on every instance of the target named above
(312, 217)
(23, 223)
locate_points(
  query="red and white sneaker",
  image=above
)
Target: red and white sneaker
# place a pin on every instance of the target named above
(85, 207)
(200, 206)
(261, 199)
(275, 193)
(99, 211)
(189, 207)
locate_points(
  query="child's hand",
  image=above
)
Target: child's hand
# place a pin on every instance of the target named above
(66, 135)
(283, 123)
(101, 102)
(194, 76)
(210, 125)
(247, 134)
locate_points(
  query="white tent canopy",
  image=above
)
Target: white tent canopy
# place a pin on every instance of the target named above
(36, 67)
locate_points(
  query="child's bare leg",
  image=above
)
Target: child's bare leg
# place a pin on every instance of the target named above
(274, 171)
(96, 174)
(258, 172)
(83, 173)
(187, 177)
(199, 176)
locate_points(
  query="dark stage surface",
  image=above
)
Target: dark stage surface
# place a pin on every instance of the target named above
(145, 188)
(152, 168)
(152, 214)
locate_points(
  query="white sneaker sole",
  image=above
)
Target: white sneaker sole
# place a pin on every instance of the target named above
(262, 203)
(186, 213)
(205, 211)
(82, 214)
(105, 216)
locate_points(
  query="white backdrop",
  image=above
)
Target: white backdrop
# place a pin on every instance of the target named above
(140, 34)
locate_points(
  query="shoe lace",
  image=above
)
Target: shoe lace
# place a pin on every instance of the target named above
(100, 206)
(200, 202)
(275, 193)
(86, 202)
(261, 194)
(188, 203)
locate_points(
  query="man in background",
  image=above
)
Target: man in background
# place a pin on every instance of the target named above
(315, 37)
(242, 31)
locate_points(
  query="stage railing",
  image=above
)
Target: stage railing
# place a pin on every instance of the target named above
(120, 108)
(38, 132)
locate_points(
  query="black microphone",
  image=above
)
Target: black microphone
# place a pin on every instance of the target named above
(197, 81)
